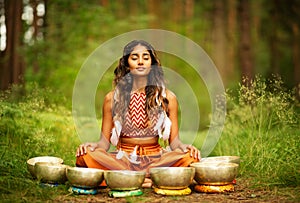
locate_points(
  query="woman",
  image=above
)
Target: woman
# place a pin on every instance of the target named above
(139, 116)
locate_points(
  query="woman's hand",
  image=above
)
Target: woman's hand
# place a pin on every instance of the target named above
(194, 152)
(82, 149)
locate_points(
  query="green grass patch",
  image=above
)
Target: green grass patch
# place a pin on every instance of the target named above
(262, 127)
(29, 127)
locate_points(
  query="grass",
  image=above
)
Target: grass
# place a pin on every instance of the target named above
(30, 127)
(262, 127)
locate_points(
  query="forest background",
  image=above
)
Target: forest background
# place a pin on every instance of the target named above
(44, 43)
(48, 41)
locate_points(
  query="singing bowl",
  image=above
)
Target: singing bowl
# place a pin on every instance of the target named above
(50, 172)
(124, 179)
(226, 159)
(49, 159)
(215, 173)
(84, 177)
(172, 177)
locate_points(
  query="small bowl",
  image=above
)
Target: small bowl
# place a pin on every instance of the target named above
(172, 177)
(50, 172)
(215, 173)
(226, 159)
(124, 179)
(84, 177)
(50, 159)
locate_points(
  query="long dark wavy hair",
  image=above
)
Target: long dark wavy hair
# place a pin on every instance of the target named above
(123, 80)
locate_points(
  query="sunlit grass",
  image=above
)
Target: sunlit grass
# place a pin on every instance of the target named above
(262, 126)
(30, 127)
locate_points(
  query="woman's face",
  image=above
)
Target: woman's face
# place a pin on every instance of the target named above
(139, 61)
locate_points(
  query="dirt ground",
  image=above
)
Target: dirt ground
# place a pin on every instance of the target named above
(242, 193)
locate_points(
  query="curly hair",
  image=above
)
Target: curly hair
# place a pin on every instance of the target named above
(155, 98)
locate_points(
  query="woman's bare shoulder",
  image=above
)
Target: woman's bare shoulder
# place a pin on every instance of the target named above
(171, 96)
(110, 94)
(109, 97)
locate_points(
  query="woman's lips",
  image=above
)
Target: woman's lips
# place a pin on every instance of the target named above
(140, 68)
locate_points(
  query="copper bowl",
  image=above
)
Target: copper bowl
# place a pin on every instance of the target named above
(50, 172)
(124, 179)
(215, 173)
(84, 177)
(50, 159)
(172, 177)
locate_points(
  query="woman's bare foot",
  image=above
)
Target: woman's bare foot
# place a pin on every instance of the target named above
(147, 183)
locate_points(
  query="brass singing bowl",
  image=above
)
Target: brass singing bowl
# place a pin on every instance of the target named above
(50, 172)
(172, 177)
(49, 159)
(215, 173)
(84, 177)
(226, 159)
(124, 179)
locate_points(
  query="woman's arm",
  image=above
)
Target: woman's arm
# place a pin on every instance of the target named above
(174, 140)
(173, 115)
(107, 125)
(107, 121)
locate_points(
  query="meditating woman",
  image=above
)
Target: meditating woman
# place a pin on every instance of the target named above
(140, 118)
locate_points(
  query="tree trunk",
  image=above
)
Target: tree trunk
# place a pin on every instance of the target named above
(189, 14)
(219, 37)
(231, 36)
(246, 55)
(153, 10)
(104, 3)
(11, 62)
(296, 56)
(134, 7)
(273, 40)
(177, 14)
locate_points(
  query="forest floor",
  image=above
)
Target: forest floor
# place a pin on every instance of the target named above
(242, 193)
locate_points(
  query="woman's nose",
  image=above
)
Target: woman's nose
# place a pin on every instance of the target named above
(140, 61)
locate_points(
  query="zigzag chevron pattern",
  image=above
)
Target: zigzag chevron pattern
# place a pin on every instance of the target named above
(137, 121)
(137, 110)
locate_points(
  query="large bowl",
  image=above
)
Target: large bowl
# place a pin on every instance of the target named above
(50, 159)
(84, 177)
(226, 159)
(172, 177)
(215, 173)
(124, 179)
(50, 172)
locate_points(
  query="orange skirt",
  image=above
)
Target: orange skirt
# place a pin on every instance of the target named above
(149, 155)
